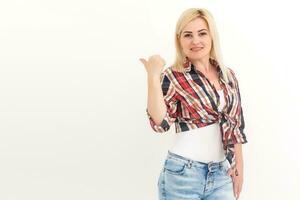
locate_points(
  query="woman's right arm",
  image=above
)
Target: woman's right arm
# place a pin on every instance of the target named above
(162, 99)
(156, 106)
(161, 104)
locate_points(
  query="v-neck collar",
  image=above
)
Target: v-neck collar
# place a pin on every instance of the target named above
(188, 66)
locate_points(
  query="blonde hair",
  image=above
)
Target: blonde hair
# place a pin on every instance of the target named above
(215, 53)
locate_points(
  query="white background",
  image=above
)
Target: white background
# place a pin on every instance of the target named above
(73, 95)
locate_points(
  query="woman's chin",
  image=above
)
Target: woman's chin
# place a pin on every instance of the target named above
(198, 56)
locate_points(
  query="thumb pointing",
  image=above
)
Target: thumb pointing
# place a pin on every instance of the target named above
(143, 61)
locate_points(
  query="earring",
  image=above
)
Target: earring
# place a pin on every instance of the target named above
(186, 59)
(186, 62)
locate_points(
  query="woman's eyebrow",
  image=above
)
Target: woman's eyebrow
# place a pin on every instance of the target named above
(198, 31)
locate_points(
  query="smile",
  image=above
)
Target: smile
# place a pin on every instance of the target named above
(196, 49)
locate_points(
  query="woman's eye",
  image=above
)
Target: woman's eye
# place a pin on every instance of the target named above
(189, 35)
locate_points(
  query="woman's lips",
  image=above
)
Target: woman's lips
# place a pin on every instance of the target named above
(196, 49)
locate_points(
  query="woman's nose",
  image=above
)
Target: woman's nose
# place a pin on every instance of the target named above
(195, 40)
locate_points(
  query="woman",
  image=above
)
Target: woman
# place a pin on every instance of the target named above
(201, 97)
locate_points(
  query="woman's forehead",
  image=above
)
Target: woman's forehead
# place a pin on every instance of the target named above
(197, 24)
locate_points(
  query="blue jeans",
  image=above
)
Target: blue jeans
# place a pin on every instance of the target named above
(185, 179)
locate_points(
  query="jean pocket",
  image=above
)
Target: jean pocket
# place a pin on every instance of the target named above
(174, 166)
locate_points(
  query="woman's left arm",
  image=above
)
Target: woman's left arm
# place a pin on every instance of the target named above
(239, 160)
(237, 173)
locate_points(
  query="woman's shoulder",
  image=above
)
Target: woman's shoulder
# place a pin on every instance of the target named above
(168, 75)
(165, 74)
(230, 70)
(233, 80)
(232, 74)
(171, 70)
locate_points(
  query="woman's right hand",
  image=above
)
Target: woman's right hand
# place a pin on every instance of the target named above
(154, 66)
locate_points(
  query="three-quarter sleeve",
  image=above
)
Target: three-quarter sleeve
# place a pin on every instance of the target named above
(238, 131)
(170, 99)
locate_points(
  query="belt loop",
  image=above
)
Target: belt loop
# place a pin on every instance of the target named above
(209, 165)
(189, 164)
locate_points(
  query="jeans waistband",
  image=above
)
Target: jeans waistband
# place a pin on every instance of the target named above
(211, 165)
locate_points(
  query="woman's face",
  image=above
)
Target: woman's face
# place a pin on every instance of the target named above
(195, 39)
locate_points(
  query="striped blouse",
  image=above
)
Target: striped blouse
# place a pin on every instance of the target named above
(192, 102)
